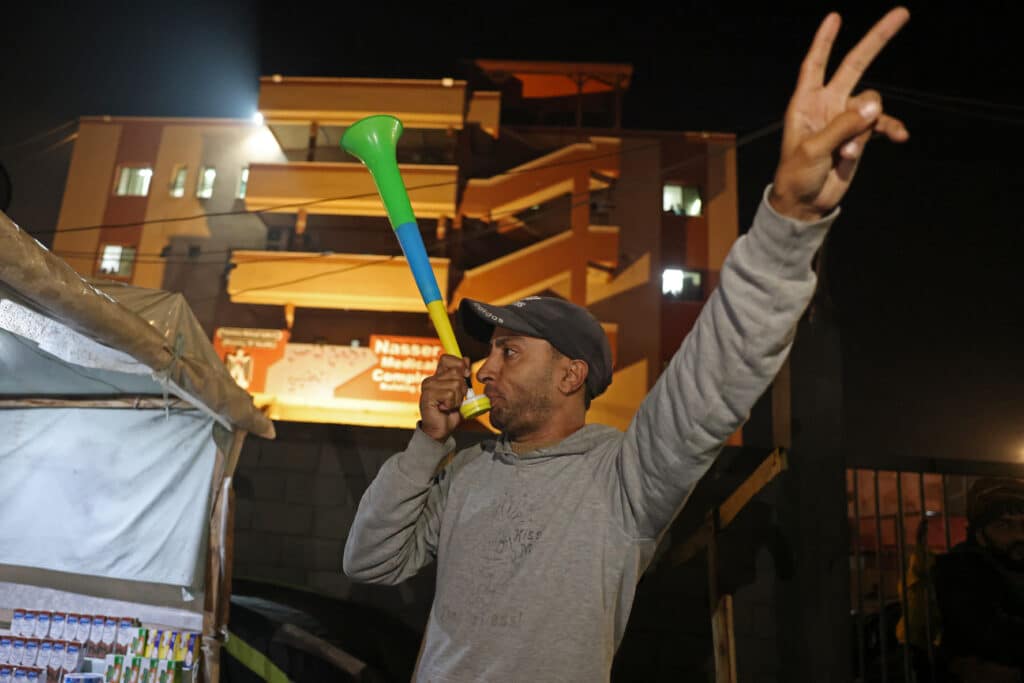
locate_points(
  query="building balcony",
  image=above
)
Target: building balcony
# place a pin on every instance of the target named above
(364, 282)
(343, 101)
(346, 189)
(485, 110)
(544, 265)
(542, 179)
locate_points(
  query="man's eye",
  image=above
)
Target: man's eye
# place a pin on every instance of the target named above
(508, 352)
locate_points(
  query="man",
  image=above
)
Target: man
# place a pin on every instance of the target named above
(542, 534)
(979, 586)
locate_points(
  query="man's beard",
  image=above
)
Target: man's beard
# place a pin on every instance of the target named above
(517, 420)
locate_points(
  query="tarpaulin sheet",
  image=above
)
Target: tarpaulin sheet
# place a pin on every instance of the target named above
(155, 328)
(123, 494)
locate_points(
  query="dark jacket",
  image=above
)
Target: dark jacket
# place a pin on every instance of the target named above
(982, 606)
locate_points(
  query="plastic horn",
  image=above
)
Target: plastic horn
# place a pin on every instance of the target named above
(373, 141)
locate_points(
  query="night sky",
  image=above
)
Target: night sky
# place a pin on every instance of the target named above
(921, 269)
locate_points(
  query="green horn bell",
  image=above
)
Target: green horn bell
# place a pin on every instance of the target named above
(374, 141)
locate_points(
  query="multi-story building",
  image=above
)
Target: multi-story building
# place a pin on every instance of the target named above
(268, 224)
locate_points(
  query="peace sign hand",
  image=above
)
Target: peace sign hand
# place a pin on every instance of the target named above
(826, 128)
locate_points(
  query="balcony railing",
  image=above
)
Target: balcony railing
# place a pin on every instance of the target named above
(343, 281)
(346, 189)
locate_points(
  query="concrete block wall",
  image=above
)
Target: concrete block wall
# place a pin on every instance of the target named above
(296, 498)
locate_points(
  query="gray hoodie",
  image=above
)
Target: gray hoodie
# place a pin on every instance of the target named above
(539, 554)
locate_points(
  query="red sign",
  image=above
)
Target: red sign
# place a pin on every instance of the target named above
(249, 353)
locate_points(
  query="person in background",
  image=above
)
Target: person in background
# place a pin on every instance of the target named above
(979, 587)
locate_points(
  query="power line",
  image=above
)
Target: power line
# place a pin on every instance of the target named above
(951, 109)
(38, 136)
(60, 143)
(956, 99)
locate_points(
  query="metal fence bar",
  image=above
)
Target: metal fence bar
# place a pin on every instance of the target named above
(926, 553)
(858, 575)
(881, 582)
(945, 513)
(901, 556)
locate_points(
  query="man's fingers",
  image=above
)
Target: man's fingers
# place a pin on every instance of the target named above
(845, 128)
(892, 128)
(860, 57)
(444, 393)
(812, 71)
(453, 364)
(867, 101)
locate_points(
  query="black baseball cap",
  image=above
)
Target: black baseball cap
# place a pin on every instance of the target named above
(571, 329)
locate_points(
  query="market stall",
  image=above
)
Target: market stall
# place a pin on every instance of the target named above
(122, 429)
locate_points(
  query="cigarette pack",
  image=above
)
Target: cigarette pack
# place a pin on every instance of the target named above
(57, 656)
(28, 623)
(114, 668)
(42, 625)
(31, 653)
(57, 622)
(156, 636)
(45, 652)
(169, 671)
(17, 621)
(140, 638)
(17, 651)
(123, 637)
(84, 628)
(73, 658)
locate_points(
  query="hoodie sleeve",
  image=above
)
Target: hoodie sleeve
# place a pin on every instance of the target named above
(396, 527)
(728, 359)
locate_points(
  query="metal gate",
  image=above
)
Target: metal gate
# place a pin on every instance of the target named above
(899, 522)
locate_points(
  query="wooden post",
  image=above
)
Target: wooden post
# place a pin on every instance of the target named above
(769, 468)
(314, 131)
(722, 635)
(706, 537)
(220, 559)
(580, 215)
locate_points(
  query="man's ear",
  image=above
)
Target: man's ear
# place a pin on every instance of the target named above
(574, 376)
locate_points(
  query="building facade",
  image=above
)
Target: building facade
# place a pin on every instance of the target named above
(268, 224)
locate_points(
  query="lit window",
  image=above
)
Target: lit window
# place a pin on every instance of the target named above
(133, 181)
(178, 181)
(681, 284)
(243, 182)
(204, 188)
(117, 260)
(681, 200)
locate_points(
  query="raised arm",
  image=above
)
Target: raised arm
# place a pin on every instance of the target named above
(746, 329)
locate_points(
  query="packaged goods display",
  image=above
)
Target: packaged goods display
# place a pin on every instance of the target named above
(56, 646)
